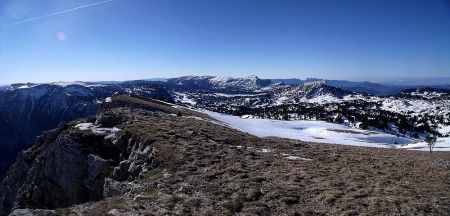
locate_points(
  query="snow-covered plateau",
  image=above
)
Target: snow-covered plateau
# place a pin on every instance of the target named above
(324, 132)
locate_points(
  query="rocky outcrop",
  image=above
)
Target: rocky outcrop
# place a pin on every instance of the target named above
(27, 112)
(78, 162)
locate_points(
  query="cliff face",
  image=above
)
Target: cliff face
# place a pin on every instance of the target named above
(139, 157)
(75, 163)
(27, 112)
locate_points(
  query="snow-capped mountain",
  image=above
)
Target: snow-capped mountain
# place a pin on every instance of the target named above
(251, 83)
(313, 91)
(367, 87)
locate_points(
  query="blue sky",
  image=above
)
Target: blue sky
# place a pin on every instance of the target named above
(136, 39)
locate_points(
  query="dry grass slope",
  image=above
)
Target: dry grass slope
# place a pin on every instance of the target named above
(202, 168)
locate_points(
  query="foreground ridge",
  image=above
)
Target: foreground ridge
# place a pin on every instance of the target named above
(144, 157)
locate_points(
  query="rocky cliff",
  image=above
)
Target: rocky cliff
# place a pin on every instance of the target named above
(77, 162)
(73, 164)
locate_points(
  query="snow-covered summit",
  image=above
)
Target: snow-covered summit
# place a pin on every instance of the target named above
(59, 83)
(314, 83)
(81, 83)
(250, 83)
(317, 91)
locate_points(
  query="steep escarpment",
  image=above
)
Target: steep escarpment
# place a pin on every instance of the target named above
(140, 158)
(83, 160)
(69, 165)
(26, 112)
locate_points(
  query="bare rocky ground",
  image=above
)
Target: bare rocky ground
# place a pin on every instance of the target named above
(190, 165)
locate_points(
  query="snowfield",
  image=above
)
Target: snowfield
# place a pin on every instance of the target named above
(324, 132)
(184, 98)
(416, 107)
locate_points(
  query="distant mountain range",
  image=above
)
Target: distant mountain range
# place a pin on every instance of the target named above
(413, 81)
(388, 88)
(377, 86)
(28, 109)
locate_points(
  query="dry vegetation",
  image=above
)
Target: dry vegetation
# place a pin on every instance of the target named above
(203, 168)
(152, 105)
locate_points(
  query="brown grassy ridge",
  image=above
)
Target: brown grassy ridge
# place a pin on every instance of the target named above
(150, 104)
(203, 168)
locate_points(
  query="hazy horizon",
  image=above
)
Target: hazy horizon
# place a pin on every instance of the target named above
(444, 80)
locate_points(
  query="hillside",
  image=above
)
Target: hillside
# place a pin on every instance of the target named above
(144, 157)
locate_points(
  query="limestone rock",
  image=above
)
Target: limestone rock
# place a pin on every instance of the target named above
(69, 166)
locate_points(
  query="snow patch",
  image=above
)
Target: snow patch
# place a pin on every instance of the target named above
(297, 158)
(315, 131)
(109, 132)
(184, 98)
(263, 150)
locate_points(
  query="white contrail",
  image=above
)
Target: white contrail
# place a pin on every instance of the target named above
(56, 13)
